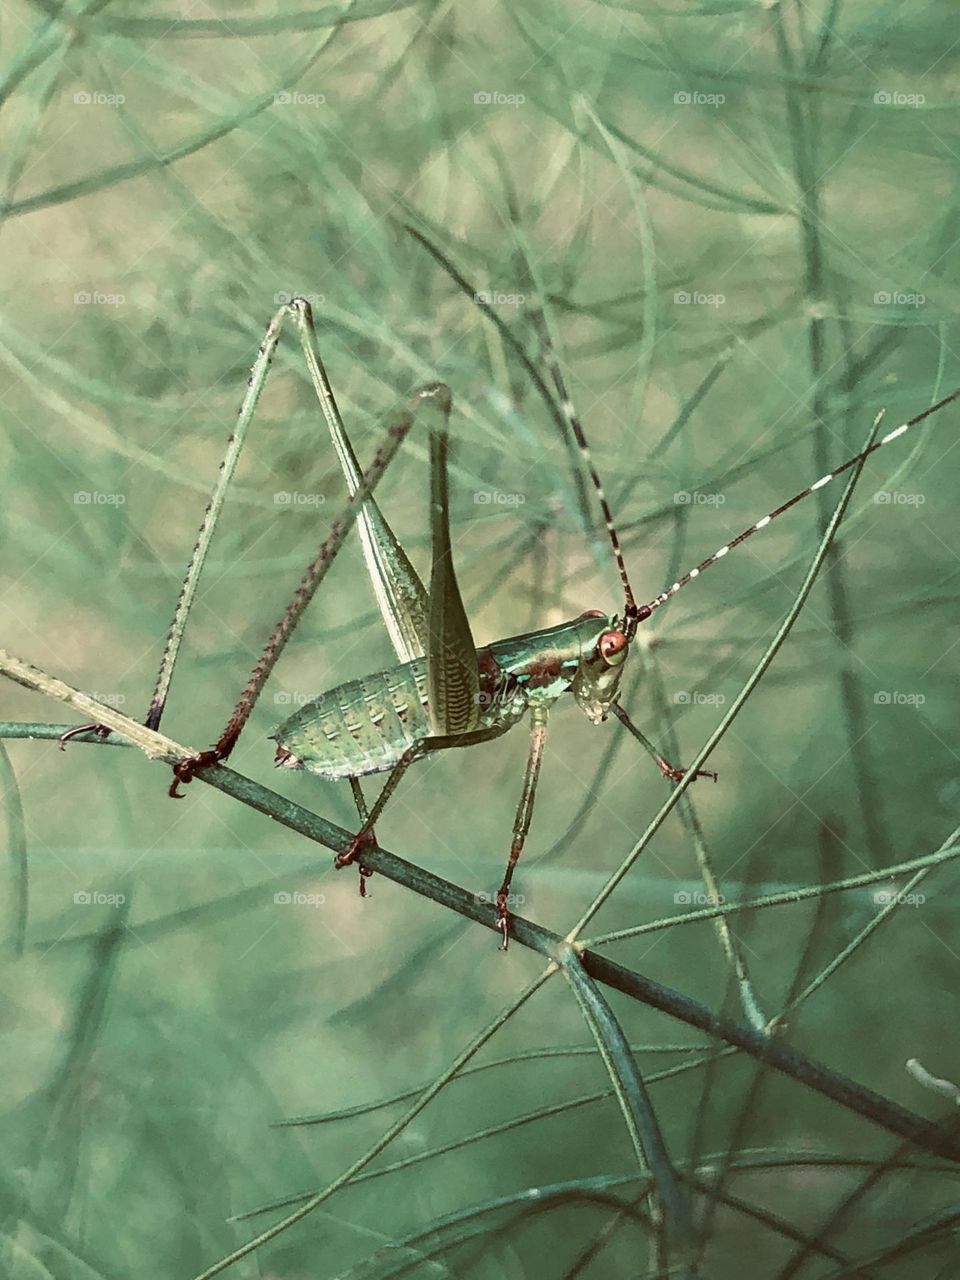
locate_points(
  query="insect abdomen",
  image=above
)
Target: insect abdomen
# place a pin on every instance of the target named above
(361, 727)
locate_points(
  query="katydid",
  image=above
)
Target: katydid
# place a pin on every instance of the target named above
(445, 692)
(448, 693)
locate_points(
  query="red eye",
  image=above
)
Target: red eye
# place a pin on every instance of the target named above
(612, 647)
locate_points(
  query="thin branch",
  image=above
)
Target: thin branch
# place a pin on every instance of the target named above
(671, 1208)
(808, 1071)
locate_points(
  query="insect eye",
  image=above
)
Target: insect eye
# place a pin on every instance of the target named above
(612, 647)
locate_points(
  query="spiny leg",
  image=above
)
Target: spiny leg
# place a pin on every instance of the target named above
(314, 575)
(668, 770)
(171, 648)
(360, 801)
(521, 823)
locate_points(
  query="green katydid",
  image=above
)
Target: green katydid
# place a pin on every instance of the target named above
(444, 692)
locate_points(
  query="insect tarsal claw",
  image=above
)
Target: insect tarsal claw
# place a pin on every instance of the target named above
(365, 874)
(100, 730)
(184, 770)
(363, 840)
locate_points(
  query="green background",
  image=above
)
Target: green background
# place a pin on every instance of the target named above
(790, 170)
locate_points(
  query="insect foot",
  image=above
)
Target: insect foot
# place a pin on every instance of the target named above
(362, 842)
(503, 920)
(100, 730)
(677, 775)
(184, 770)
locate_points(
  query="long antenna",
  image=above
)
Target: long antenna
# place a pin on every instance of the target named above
(631, 608)
(645, 610)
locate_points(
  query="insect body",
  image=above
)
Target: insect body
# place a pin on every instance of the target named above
(367, 726)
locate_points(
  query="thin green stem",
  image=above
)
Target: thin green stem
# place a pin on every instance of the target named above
(672, 1208)
(947, 852)
(387, 1136)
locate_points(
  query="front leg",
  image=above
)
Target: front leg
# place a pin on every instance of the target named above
(671, 772)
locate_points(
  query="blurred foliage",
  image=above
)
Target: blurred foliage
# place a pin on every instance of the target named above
(744, 218)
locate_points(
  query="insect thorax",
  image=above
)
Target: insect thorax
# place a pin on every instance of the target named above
(567, 658)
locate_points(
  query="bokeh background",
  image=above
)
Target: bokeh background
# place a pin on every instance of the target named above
(743, 217)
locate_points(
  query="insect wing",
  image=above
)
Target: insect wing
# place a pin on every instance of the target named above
(452, 674)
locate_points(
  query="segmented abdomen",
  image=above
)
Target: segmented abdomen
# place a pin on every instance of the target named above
(363, 726)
